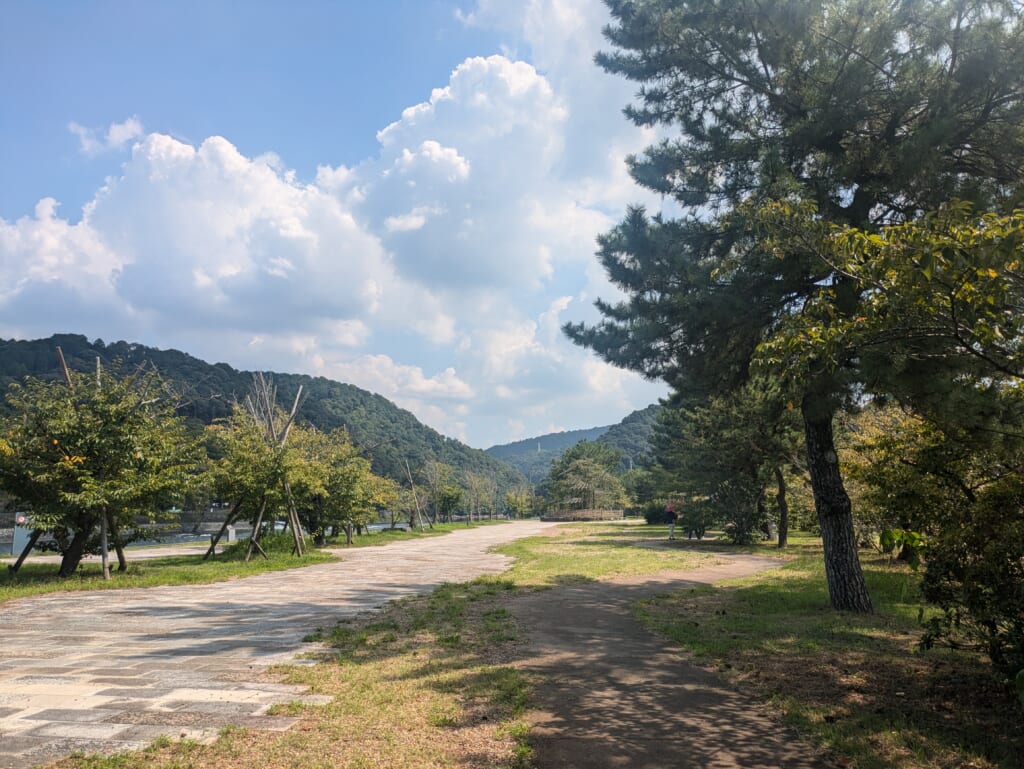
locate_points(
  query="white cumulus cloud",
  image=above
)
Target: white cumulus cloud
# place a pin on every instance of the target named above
(117, 137)
(437, 272)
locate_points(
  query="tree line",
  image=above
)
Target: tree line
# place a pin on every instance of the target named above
(102, 459)
(207, 392)
(834, 284)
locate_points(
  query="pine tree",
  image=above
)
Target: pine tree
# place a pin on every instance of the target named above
(872, 111)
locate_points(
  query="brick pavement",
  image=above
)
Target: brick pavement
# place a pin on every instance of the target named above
(112, 670)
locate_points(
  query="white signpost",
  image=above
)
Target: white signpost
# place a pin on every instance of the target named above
(21, 534)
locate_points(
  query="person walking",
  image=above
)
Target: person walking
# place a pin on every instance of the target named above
(670, 519)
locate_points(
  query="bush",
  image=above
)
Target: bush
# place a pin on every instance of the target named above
(653, 512)
(975, 573)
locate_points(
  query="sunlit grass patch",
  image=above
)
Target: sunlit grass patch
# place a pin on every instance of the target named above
(589, 551)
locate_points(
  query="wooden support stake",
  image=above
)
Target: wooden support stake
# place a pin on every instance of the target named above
(253, 543)
(415, 497)
(33, 538)
(232, 517)
(104, 550)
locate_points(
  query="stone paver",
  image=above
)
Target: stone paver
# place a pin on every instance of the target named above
(112, 670)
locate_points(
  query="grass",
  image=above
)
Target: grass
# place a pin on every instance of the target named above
(591, 551)
(425, 682)
(857, 685)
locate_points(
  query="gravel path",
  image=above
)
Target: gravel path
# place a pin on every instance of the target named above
(112, 670)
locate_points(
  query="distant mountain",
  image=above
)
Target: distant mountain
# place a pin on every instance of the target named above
(390, 435)
(533, 456)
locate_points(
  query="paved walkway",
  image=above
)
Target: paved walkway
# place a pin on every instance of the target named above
(112, 670)
(614, 696)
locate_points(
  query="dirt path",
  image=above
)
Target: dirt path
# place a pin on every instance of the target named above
(615, 695)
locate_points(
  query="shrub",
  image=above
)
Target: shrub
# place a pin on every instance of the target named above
(975, 573)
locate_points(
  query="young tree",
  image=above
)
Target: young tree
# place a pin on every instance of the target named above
(584, 477)
(519, 500)
(481, 490)
(444, 494)
(94, 450)
(873, 111)
(722, 453)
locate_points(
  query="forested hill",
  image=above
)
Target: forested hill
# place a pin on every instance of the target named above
(390, 434)
(632, 436)
(533, 456)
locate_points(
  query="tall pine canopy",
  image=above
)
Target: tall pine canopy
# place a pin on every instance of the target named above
(871, 111)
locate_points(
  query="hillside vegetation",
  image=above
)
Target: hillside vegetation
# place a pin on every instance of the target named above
(533, 457)
(390, 435)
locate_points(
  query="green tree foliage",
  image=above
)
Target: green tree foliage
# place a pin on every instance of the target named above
(443, 493)
(717, 458)
(390, 436)
(956, 496)
(333, 485)
(941, 309)
(975, 572)
(519, 501)
(93, 447)
(481, 495)
(251, 469)
(585, 478)
(324, 475)
(871, 111)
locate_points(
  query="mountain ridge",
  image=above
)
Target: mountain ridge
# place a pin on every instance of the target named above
(391, 435)
(533, 456)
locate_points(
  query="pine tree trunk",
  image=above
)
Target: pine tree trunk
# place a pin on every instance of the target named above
(780, 498)
(846, 588)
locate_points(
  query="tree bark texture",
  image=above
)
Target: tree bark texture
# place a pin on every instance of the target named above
(73, 555)
(780, 498)
(846, 588)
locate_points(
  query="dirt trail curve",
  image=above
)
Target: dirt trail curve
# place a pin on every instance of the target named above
(112, 670)
(614, 696)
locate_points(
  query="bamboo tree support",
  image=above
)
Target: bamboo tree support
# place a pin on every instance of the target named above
(415, 497)
(254, 539)
(293, 520)
(104, 551)
(231, 518)
(32, 539)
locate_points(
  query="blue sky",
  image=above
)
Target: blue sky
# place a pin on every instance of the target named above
(403, 195)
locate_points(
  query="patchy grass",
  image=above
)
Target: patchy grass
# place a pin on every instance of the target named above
(590, 551)
(857, 684)
(39, 578)
(424, 682)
